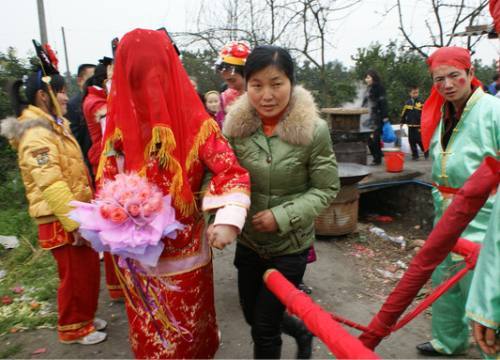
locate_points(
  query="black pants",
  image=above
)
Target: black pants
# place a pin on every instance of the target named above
(262, 310)
(414, 138)
(374, 145)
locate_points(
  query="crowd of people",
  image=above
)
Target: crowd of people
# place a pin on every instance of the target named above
(257, 159)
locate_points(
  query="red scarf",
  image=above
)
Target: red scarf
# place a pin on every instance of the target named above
(155, 112)
(431, 112)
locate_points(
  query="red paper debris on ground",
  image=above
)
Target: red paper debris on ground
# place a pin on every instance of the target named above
(17, 290)
(384, 219)
(6, 300)
(34, 305)
(381, 218)
(39, 351)
(363, 250)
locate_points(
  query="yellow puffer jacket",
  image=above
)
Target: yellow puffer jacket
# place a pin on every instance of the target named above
(51, 165)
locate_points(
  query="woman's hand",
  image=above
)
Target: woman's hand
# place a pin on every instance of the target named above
(219, 236)
(486, 338)
(78, 240)
(264, 221)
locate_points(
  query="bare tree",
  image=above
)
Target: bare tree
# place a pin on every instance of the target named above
(258, 21)
(312, 38)
(302, 26)
(444, 19)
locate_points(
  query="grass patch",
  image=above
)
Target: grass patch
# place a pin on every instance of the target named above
(27, 266)
(10, 351)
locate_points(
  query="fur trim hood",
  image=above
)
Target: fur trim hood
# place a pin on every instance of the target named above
(13, 129)
(296, 127)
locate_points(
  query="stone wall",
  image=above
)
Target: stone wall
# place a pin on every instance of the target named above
(411, 201)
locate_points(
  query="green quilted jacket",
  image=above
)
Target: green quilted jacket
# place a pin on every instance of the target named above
(293, 172)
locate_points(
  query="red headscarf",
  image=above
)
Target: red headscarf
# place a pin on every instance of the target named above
(154, 110)
(431, 114)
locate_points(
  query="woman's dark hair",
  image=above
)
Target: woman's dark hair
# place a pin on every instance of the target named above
(374, 75)
(32, 84)
(269, 55)
(97, 79)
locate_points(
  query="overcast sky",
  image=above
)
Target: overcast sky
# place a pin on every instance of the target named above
(91, 24)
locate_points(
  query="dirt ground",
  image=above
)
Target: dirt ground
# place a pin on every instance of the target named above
(352, 276)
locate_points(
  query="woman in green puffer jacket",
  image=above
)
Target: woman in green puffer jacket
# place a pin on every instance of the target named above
(278, 137)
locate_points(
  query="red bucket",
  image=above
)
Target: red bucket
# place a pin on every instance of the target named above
(394, 159)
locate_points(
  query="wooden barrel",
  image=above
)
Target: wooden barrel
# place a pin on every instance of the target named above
(341, 217)
(351, 152)
(344, 119)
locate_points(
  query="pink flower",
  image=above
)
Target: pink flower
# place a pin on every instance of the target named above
(124, 197)
(155, 203)
(105, 211)
(133, 181)
(17, 289)
(143, 195)
(147, 210)
(118, 215)
(134, 209)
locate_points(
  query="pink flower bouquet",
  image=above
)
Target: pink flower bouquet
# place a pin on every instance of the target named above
(128, 218)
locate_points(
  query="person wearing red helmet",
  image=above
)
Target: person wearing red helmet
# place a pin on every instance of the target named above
(230, 64)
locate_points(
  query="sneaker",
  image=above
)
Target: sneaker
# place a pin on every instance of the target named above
(91, 339)
(100, 324)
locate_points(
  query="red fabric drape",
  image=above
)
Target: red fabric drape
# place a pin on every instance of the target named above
(431, 113)
(155, 110)
(342, 344)
(442, 239)
(495, 13)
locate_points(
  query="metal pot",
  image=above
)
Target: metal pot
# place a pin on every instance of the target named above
(351, 173)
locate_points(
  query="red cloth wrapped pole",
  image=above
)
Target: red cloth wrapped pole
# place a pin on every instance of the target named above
(342, 344)
(470, 251)
(466, 203)
(348, 322)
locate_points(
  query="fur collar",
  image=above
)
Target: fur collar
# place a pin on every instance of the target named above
(296, 127)
(13, 129)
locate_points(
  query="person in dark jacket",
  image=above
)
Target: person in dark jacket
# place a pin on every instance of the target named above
(75, 116)
(376, 102)
(275, 132)
(412, 110)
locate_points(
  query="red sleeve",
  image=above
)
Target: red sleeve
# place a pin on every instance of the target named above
(230, 183)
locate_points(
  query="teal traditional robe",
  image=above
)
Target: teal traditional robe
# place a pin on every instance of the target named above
(483, 304)
(476, 136)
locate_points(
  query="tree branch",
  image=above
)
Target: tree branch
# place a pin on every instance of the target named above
(403, 31)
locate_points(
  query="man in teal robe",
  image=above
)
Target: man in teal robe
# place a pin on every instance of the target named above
(462, 125)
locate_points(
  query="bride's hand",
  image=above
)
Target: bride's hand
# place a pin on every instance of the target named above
(219, 236)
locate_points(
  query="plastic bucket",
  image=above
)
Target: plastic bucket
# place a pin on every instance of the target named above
(394, 159)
